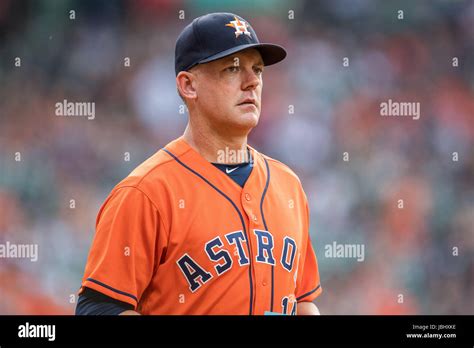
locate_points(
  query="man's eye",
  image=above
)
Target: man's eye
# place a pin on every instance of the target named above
(233, 69)
(258, 71)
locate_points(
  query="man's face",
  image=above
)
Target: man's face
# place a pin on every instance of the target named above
(229, 91)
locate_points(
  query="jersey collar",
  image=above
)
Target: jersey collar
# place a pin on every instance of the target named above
(193, 159)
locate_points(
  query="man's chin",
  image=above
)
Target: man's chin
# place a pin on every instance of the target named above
(248, 120)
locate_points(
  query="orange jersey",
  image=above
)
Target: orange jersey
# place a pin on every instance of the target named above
(178, 236)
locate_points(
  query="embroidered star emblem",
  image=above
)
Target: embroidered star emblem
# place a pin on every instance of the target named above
(239, 26)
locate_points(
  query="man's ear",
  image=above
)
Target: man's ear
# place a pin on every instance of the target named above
(186, 84)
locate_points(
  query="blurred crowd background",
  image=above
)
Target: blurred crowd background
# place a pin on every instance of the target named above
(409, 251)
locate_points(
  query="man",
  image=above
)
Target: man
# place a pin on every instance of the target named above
(207, 225)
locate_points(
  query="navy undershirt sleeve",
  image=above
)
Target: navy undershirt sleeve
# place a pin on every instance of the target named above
(92, 302)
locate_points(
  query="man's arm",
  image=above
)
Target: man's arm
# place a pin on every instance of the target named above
(92, 302)
(307, 308)
(127, 218)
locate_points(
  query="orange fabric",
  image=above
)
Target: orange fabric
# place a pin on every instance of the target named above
(178, 236)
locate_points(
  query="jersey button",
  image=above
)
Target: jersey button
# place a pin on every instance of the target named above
(248, 197)
(264, 283)
(255, 218)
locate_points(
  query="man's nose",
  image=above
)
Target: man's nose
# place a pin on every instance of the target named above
(251, 79)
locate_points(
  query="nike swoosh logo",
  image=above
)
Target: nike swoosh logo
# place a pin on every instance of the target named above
(230, 171)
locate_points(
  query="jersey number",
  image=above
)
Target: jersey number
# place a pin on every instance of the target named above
(286, 304)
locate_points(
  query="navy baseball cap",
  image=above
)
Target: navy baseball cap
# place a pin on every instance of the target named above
(217, 35)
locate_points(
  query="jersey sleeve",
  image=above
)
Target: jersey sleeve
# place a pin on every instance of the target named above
(126, 248)
(91, 302)
(308, 285)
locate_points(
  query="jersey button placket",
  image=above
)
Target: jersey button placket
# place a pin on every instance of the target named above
(250, 207)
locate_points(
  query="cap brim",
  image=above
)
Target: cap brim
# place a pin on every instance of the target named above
(271, 54)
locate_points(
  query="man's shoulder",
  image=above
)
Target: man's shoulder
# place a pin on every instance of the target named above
(154, 170)
(283, 177)
(281, 169)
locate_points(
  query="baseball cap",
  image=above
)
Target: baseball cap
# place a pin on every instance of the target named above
(217, 35)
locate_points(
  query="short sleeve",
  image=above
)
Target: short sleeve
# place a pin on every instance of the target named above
(308, 285)
(125, 248)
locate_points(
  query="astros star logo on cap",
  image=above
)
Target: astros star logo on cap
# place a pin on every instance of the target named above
(239, 26)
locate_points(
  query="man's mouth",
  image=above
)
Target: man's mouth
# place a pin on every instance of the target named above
(248, 101)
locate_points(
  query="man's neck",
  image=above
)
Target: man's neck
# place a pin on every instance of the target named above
(216, 148)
